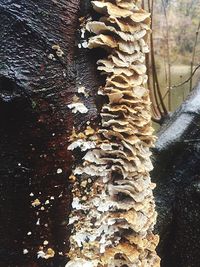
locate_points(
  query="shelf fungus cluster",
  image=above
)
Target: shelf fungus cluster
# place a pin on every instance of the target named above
(113, 210)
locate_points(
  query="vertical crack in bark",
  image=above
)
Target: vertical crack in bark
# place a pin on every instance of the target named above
(113, 210)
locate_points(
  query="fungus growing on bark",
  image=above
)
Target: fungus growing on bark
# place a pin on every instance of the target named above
(113, 210)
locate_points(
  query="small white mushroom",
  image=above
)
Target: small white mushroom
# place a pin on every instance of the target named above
(78, 107)
(59, 171)
(25, 251)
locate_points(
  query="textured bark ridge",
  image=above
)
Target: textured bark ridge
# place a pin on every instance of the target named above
(113, 210)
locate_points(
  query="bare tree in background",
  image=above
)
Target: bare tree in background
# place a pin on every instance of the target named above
(174, 39)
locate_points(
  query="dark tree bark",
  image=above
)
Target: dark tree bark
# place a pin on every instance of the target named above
(36, 85)
(177, 174)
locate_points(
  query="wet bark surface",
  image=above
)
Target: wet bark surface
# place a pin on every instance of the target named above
(36, 85)
(177, 174)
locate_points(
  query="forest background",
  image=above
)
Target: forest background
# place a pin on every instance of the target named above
(175, 53)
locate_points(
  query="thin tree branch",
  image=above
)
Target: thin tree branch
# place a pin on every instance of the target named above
(193, 54)
(175, 86)
(155, 103)
(168, 56)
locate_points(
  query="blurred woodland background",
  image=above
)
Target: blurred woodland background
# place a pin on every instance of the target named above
(174, 60)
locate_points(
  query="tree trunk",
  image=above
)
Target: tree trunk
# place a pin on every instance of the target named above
(177, 174)
(40, 72)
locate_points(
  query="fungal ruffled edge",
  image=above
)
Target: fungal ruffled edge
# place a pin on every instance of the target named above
(113, 209)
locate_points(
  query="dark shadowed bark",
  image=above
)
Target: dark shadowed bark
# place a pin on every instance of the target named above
(36, 85)
(177, 174)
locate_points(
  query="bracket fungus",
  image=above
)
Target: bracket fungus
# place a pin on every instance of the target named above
(113, 209)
